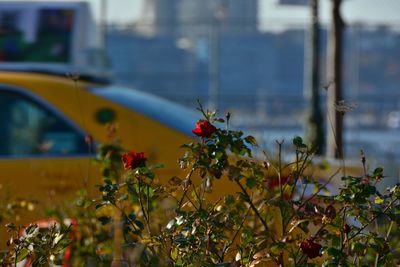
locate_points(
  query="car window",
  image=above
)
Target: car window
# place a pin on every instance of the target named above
(27, 128)
(161, 110)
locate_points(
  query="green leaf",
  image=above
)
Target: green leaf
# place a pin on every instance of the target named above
(251, 140)
(336, 241)
(132, 216)
(378, 173)
(358, 248)
(335, 253)
(106, 173)
(11, 227)
(31, 228)
(203, 214)
(251, 182)
(22, 254)
(229, 200)
(139, 224)
(98, 206)
(298, 141)
(157, 166)
(277, 248)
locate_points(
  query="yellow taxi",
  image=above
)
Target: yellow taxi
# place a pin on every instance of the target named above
(45, 118)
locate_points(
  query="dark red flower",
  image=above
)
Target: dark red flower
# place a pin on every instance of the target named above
(273, 182)
(133, 160)
(310, 248)
(204, 129)
(346, 228)
(217, 173)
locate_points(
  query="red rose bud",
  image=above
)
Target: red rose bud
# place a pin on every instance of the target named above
(346, 228)
(204, 129)
(132, 160)
(310, 248)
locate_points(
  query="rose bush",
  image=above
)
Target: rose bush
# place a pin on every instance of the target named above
(279, 215)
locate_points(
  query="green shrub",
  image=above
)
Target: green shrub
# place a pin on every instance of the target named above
(280, 213)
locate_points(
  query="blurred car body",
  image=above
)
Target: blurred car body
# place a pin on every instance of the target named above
(43, 123)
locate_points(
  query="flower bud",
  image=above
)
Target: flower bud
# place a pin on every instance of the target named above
(311, 248)
(346, 228)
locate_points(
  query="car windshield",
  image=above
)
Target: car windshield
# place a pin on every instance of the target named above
(162, 110)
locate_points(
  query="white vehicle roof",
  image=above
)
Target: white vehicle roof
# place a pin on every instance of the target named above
(49, 35)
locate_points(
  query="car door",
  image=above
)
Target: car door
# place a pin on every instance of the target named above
(43, 154)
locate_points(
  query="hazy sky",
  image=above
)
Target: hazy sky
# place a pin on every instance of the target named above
(271, 14)
(367, 11)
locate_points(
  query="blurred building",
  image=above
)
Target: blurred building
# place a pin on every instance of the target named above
(193, 18)
(294, 2)
(259, 72)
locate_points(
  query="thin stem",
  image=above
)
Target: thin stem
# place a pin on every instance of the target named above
(248, 199)
(345, 236)
(336, 144)
(302, 257)
(373, 219)
(191, 201)
(280, 166)
(281, 261)
(377, 253)
(201, 109)
(186, 188)
(142, 206)
(389, 230)
(319, 189)
(376, 260)
(148, 203)
(297, 174)
(202, 191)
(235, 235)
(127, 218)
(305, 185)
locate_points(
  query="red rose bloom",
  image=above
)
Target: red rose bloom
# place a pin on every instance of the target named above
(310, 248)
(133, 160)
(204, 129)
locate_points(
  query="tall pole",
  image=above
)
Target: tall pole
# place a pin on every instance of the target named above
(315, 133)
(103, 23)
(335, 95)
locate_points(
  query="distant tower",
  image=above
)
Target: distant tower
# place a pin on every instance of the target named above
(232, 17)
(159, 17)
(166, 16)
(193, 18)
(241, 16)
